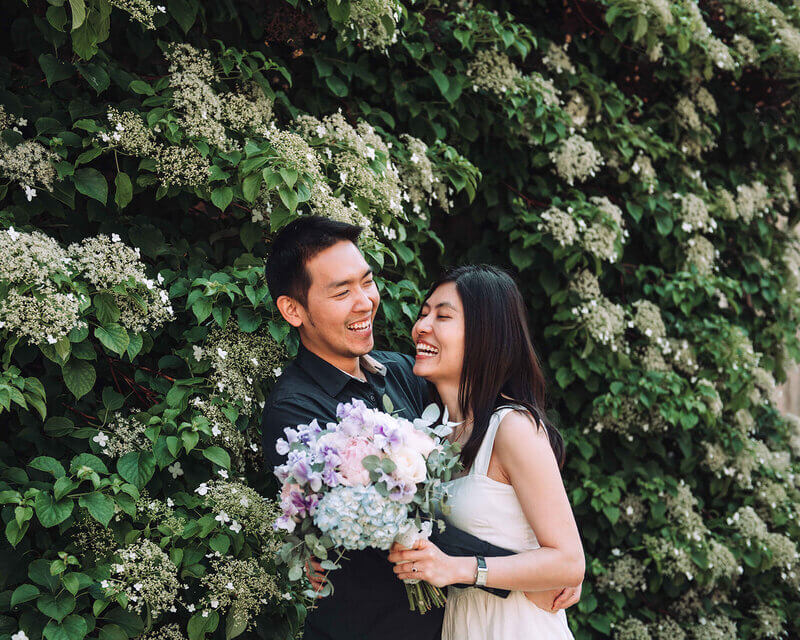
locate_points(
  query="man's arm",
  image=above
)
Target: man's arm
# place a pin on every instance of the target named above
(455, 542)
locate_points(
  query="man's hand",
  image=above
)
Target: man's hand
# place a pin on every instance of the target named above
(316, 574)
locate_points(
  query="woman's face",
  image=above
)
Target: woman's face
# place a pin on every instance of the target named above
(439, 336)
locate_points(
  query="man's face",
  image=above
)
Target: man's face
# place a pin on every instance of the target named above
(341, 304)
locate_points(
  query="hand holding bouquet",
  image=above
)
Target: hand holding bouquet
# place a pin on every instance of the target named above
(368, 480)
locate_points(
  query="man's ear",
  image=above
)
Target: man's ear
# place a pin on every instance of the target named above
(290, 310)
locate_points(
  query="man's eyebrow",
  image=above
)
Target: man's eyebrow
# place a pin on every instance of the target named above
(342, 283)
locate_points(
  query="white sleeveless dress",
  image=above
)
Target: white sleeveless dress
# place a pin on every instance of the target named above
(490, 510)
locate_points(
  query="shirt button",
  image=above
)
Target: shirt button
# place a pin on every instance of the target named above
(372, 398)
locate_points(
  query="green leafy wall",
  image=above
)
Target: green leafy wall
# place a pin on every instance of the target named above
(632, 161)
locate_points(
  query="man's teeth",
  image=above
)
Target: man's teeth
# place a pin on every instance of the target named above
(359, 326)
(424, 348)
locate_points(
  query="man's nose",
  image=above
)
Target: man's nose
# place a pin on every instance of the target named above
(362, 301)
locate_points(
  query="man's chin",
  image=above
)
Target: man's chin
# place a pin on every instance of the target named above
(362, 346)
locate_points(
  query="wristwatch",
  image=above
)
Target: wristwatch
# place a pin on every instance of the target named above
(482, 573)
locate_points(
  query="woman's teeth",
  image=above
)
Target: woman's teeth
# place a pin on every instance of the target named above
(360, 326)
(427, 349)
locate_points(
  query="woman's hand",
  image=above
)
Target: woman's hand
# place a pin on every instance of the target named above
(432, 564)
(316, 575)
(567, 597)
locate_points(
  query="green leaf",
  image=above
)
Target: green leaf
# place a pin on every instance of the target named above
(63, 486)
(48, 465)
(113, 632)
(137, 467)
(250, 186)
(222, 197)
(202, 309)
(235, 623)
(79, 376)
(123, 190)
(24, 593)
(78, 13)
(339, 11)
(135, 345)
(113, 336)
(141, 87)
(54, 69)
(218, 456)
(199, 626)
(249, 320)
(57, 607)
(337, 86)
(73, 627)
(96, 76)
(639, 27)
(91, 183)
(184, 13)
(87, 460)
(288, 197)
(441, 80)
(289, 177)
(39, 572)
(50, 512)
(100, 506)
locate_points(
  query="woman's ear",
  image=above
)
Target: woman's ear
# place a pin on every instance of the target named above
(290, 310)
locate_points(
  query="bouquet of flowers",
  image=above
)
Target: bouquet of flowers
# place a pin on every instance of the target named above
(368, 480)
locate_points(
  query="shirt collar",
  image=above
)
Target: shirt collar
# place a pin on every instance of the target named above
(330, 378)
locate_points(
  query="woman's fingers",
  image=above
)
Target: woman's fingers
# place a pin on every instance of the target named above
(408, 555)
(567, 598)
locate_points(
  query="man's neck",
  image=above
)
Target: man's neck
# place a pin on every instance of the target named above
(349, 365)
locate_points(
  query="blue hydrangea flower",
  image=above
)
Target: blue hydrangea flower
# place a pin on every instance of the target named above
(359, 517)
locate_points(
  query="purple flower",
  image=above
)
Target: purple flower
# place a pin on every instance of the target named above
(282, 447)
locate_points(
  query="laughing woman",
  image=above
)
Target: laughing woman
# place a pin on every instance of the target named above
(473, 345)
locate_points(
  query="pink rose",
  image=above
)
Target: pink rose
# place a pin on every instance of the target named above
(420, 442)
(351, 470)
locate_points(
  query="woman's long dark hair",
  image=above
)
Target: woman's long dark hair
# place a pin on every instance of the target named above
(499, 358)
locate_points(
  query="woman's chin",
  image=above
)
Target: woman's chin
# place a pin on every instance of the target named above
(423, 369)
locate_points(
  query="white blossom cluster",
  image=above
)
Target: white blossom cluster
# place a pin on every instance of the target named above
(536, 85)
(746, 49)
(557, 60)
(717, 51)
(725, 204)
(361, 160)
(241, 361)
(784, 33)
(577, 109)
(418, 175)
(146, 576)
(648, 321)
(241, 508)
(367, 22)
(722, 564)
(108, 263)
(606, 232)
(122, 434)
(631, 629)
(241, 587)
(752, 201)
(603, 320)
(576, 159)
(770, 622)
(626, 417)
(158, 513)
(224, 432)
(494, 72)
(711, 397)
(632, 509)
(672, 559)
(682, 355)
(624, 572)
(681, 507)
(171, 631)
(129, 133)
(32, 264)
(561, 225)
(30, 163)
(140, 10)
(715, 628)
(694, 214)
(643, 168)
(701, 253)
(665, 628)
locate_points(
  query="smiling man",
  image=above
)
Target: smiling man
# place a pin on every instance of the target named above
(324, 288)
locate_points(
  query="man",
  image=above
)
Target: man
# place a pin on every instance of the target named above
(324, 288)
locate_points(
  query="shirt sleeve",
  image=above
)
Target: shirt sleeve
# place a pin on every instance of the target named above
(286, 412)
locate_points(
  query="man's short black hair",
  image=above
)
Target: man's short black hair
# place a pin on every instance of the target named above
(296, 244)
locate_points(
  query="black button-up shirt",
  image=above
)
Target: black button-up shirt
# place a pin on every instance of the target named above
(368, 600)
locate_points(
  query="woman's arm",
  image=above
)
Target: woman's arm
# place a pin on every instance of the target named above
(526, 459)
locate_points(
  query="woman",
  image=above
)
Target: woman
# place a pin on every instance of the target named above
(473, 345)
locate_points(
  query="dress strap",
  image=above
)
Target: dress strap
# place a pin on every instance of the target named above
(481, 464)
